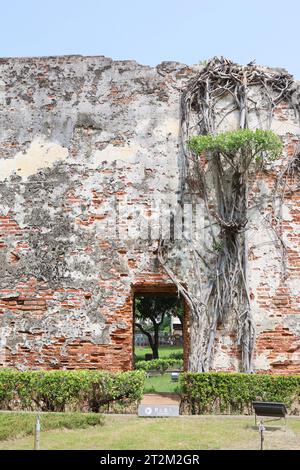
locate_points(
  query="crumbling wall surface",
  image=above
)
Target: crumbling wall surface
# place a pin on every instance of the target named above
(273, 245)
(89, 148)
(83, 140)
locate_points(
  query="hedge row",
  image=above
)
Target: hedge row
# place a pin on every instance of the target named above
(233, 392)
(76, 390)
(159, 364)
(172, 355)
(94, 390)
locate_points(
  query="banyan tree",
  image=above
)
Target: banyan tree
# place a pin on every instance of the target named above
(227, 143)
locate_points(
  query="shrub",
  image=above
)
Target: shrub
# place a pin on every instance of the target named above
(123, 388)
(7, 387)
(159, 364)
(176, 355)
(234, 392)
(258, 143)
(165, 355)
(56, 390)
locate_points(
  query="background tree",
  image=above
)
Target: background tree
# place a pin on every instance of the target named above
(150, 313)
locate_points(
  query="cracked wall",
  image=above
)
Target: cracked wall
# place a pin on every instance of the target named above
(89, 147)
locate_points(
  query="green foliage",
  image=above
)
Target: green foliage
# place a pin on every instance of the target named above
(218, 245)
(124, 388)
(234, 392)
(13, 425)
(155, 307)
(176, 355)
(151, 313)
(255, 143)
(165, 352)
(161, 383)
(78, 389)
(159, 364)
(178, 433)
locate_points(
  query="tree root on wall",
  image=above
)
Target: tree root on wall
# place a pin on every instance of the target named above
(220, 292)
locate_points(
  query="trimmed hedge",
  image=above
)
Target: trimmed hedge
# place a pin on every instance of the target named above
(173, 355)
(75, 389)
(234, 392)
(176, 355)
(159, 364)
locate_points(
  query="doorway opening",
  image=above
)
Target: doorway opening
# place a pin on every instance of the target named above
(160, 319)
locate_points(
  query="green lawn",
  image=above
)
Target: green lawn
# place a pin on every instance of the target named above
(183, 433)
(160, 383)
(13, 425)
(164, 351)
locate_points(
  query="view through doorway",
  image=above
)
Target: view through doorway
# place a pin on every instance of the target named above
(160, 335)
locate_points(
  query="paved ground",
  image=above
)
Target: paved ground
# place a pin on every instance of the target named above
(161, 399)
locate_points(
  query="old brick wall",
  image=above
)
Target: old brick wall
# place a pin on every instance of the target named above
(89, 148)
(273, 239)
(83, 140)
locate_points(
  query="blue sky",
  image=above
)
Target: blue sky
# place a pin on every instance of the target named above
(151, 31)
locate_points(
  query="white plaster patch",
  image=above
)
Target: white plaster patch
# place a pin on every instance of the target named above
(5, 332)
(158, 129)
(262, 362)
(291, 321)
(285, 127)
(225, 108)
(295, 357)
(280, 357)
(294, 286)
(279, 126)
(111, 153)
(2, 92)
(170, 126)
(264, 322)
(286, 214)
(222, 360)
(39, 155)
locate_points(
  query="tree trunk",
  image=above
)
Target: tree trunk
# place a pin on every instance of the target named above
(150, 339)
(155, 342)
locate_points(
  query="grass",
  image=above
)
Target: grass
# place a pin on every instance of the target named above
(164, 351)
(160, 383)
(14, 425)
(183, 433)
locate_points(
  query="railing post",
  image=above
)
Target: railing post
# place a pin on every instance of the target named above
(261, 429)
(37, 432)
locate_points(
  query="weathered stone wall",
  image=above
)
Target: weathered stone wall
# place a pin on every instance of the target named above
(273, 239)
(89, 148)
